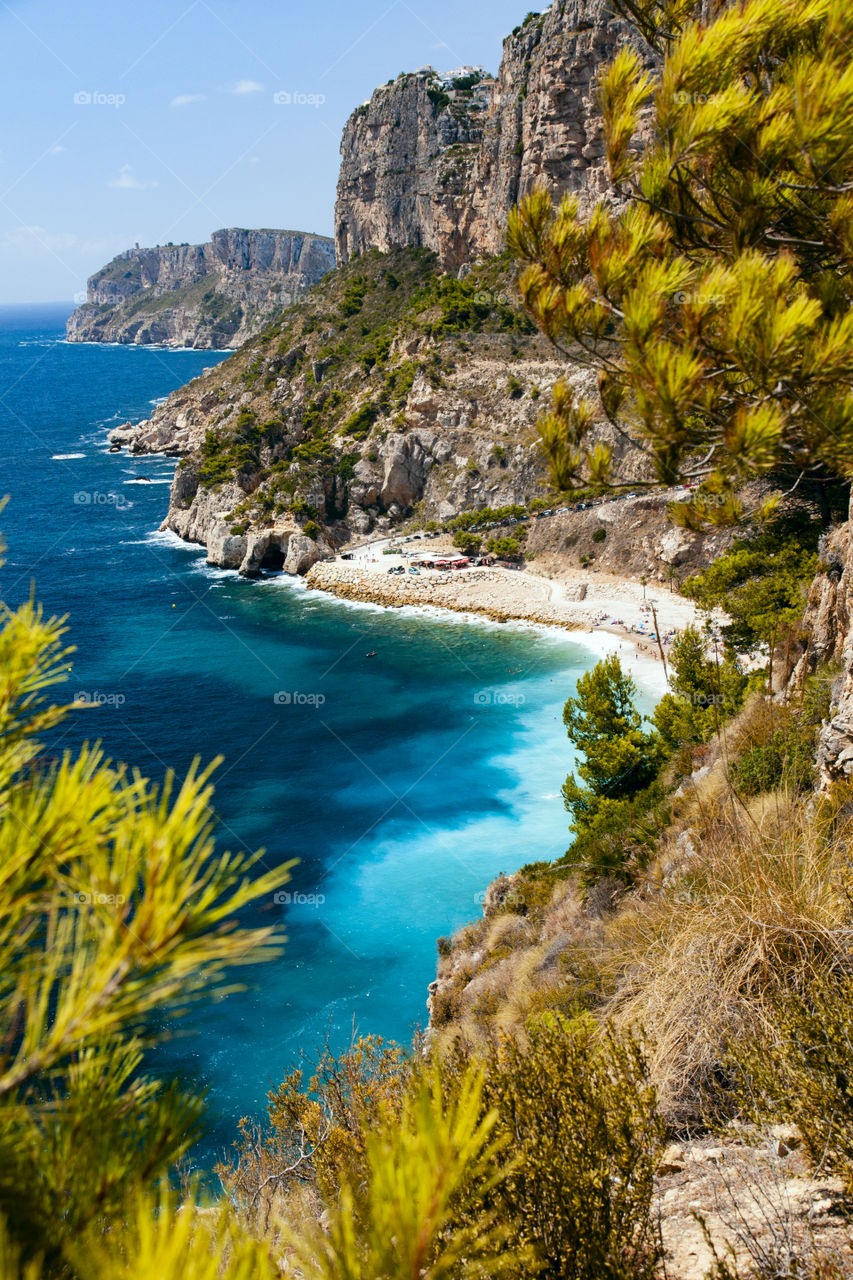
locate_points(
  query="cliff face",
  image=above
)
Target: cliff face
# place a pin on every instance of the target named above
(217, 294)
(364, 405)
(828, 627)
(424, 163)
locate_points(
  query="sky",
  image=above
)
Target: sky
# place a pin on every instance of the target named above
(127, 122)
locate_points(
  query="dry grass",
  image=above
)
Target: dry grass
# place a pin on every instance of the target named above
(745, 897)
(766, 900)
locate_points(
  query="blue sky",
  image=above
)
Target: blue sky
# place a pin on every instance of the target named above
(157, 121)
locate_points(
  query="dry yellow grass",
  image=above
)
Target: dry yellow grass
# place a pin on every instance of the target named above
(765, 900)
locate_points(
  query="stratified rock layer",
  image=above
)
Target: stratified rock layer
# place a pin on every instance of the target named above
(200, 295)
(419, 170)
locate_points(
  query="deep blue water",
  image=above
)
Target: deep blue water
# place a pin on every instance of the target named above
(420, 775)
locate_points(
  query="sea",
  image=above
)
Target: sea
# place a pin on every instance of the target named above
(400, 783)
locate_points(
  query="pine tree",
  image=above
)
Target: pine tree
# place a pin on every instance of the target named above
(716, 305)
(114, 907)
(620, 758)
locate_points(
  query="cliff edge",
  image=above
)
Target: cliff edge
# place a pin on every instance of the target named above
(439, 162)
(210, 295)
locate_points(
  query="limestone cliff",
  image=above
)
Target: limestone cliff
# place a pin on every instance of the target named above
(360, 407)
(828, 627)
(441, 163)
(203, 295)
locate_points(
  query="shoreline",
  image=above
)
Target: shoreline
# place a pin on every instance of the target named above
(515, 597)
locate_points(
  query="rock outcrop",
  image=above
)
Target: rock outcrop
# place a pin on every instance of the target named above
(426, 162)
(828, 626)
(210, 295)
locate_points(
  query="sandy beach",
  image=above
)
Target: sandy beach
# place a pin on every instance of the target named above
(577, 600)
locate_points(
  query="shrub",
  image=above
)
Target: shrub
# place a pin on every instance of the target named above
(470, 543)
(505, 548)
(762, 580)
(215, 467)
(358, 424)
(705, 691)
(764, 907)
(111, 922)
(353, 298)
(801, 1071)
(600, 534)
(311, 529)
(578, 1109)
(514, 387)
(777, 747)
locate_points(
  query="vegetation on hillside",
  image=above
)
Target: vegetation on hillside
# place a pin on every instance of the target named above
(686, 963)
(716, 307)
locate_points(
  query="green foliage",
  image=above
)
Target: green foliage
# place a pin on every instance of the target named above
(619, 840)
(470, 543)
(705, 691)
(577, 1107)
(515, 389)
(438, 98)
(762, 581)
(600, 534)
(778, 750)
(358, 424)
(215, 464)
(487, 515)
(716, 305)
(422, 1207)
(115, 912)
(620, 759)
(801, 1071)
(353, 297)
(505, 548)
(478, 302)
(556, 1139)
(311, 529)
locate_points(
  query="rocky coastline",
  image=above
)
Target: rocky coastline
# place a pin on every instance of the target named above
(211, 296)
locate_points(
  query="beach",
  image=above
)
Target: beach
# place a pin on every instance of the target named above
(574, 599)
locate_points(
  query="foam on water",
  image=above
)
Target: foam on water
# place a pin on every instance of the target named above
(397, 786)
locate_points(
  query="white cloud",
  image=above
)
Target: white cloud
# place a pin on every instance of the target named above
(184, 99)
(57, 150)
(128, 181)
(248, 86)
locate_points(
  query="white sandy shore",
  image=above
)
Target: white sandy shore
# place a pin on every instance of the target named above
(608, 612)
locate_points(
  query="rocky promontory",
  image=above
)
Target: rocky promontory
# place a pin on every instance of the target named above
(210, 295)
(440, 161)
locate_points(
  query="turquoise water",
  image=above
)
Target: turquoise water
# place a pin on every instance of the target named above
(402, 783)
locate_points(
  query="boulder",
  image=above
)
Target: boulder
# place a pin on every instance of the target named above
(302, 552)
